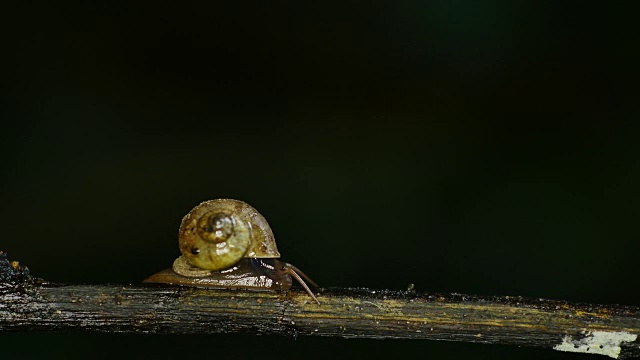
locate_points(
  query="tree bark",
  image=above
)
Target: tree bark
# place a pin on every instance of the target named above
(28, 304)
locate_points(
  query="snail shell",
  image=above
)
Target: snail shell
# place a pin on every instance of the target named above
(218, 233)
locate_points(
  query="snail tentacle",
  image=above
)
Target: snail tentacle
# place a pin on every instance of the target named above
(295, 273)
(299, 272)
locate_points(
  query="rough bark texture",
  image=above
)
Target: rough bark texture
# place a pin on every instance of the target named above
(32, 304)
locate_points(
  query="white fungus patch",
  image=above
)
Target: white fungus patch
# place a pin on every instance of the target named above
(597, 342)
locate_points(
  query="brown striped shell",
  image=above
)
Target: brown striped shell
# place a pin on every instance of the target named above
(218, 233)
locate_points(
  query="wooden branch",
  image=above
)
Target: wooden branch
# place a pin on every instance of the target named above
(31, 304)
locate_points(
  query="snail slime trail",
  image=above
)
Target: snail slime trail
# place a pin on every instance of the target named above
(226, 243)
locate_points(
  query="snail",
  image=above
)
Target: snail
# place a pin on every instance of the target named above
(226, 243)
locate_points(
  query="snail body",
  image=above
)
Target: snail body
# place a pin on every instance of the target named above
(226, 243)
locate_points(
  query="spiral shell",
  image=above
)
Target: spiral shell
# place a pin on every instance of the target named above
(218, 233)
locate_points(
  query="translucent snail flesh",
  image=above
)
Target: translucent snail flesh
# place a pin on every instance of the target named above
(226, 243)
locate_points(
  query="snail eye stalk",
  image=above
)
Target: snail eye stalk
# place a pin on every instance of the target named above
(298, 275)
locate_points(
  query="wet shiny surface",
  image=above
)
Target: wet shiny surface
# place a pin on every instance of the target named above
(246, 274)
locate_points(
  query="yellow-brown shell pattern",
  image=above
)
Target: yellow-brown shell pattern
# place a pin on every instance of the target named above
(217, 233)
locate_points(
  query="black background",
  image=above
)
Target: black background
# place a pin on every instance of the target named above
(472, 147)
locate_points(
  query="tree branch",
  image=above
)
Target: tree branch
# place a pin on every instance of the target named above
(33, 304)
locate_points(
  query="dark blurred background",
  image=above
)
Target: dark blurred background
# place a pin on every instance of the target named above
(472, 147)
